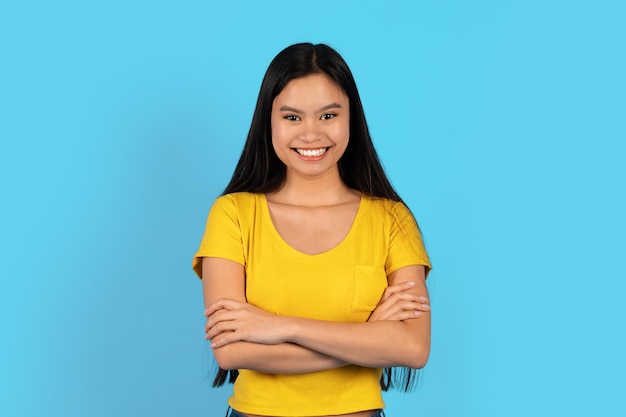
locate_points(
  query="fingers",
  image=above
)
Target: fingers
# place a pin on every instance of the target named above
(400, 304)
(223, 339)
(404, 315)
(420, 302)
(394, 289)
(397, 288)
(222, 303)
(408, 305)
(231, 321)
(404, 310)
(228, 321)
(218, 317)
(221, 327)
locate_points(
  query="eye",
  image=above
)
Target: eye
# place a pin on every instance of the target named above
(328, 116)
(292, 118)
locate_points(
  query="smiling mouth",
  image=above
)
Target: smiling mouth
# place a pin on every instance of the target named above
(311, 152)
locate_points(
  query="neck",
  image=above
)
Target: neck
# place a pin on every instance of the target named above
(309, 191)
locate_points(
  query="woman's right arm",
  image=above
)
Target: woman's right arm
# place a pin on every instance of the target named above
(223, 278)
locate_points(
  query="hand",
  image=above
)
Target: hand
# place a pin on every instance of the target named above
(231, 321)
(399, 303)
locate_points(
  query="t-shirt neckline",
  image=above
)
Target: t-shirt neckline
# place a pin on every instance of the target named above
(277, 236)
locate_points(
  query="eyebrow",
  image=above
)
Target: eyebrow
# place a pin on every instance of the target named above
(321, 109)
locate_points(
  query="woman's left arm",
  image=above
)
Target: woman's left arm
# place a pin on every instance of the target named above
(373, 344)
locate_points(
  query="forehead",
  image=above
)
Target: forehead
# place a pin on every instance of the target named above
(315, 90)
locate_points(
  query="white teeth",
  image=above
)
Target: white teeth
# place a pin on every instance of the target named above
(311, 152)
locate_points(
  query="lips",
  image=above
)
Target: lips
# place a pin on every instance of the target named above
(311, 152)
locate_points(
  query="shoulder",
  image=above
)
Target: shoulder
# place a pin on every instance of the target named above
(235, 201)
(240, 208)
(236, 198)
(384, 207)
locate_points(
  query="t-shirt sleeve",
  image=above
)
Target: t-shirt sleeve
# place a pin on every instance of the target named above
(406, 246)
(222, 235)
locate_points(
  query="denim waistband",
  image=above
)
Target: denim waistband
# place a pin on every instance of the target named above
(230, 412)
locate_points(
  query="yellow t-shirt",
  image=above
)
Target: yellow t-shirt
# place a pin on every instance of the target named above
(343, 284)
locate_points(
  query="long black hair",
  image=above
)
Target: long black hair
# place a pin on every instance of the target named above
(259, 169)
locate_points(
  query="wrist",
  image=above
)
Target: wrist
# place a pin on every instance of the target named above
(290, 328)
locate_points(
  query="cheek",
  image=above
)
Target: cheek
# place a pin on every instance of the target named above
(278, 136)
(277, 127)
(342, 134)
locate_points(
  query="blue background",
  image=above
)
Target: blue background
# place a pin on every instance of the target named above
(500, 123)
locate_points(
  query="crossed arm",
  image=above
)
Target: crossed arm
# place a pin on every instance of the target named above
(246, 337)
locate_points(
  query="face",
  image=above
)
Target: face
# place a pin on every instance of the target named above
(311, 126)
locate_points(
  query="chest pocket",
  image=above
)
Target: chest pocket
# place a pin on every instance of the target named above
(369, 283)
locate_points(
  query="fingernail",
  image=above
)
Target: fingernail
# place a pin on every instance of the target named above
(213, 345)
(417, 314)
(410, 283)
(426, 306)
(422, 298)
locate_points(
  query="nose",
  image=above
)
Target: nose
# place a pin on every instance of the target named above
(310, 132)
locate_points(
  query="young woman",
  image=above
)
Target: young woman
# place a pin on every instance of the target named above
(313, 269)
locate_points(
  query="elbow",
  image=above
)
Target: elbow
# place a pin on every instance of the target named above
(417, 355)
(417, 344)
(418, 361)
(226, 358)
